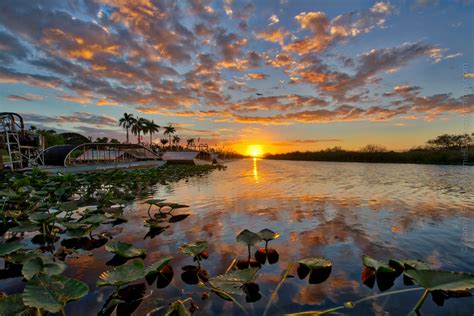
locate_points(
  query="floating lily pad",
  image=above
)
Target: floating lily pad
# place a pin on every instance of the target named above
(400, 264)
(316, 263)
(41, 217)
(193, 249)
(378, 266)
(124, 249)
(13, 305)
(248, 238)
(318, 268)
(9, 247)
(441, 280)
(267, 234)
(36, 265)
(51, 293)
(124, 274)
(154, 201)
(157, 266)
(233, 281)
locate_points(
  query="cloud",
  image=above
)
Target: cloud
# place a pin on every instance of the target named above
(75, 99)
(273, 19)
(75, 117)
(27, 97)
(256, 76)
(275, 36)
(324, 32)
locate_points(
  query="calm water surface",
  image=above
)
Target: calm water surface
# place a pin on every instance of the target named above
(336, 210)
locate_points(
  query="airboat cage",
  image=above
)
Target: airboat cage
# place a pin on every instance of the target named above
(97, 153)
(24, 147)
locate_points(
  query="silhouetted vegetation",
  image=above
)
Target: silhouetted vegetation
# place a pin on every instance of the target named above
(445, 149)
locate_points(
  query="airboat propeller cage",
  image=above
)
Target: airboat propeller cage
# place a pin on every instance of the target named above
(96, 153)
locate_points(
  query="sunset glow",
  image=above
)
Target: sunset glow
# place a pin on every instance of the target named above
(255, 151)
(290, 75)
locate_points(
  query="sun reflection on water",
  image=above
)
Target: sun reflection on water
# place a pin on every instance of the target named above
(255, 170)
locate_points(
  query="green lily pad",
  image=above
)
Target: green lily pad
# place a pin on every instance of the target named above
(13, 305)
(177, 308)
(51, 293)
(441, 280)
(24, 226)
(124, 249)
(316, 263)
(124, 274)
(248, 238)
(411, 263)
(40, 217)
(154, 201)
(36, 265)
(267, 234)
(157, 266)
(193, 249)
(233, 281)
(9, 247)
(378, 266)
(95, 219)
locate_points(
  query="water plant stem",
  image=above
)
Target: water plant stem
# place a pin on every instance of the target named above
(275, 291)
(421, 301)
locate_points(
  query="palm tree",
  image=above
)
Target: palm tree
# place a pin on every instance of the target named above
(151, 128)
(163, 142)
(190, 142)
(169, 130)
(138, 127)
(126, 121)
(176, 140)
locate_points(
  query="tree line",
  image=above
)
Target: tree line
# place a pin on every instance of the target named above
(443, 149)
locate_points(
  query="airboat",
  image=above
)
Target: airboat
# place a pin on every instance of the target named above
(26, 149)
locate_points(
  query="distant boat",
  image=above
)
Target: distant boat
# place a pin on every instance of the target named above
(190, 157)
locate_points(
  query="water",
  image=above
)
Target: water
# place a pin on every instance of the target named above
(336, 210)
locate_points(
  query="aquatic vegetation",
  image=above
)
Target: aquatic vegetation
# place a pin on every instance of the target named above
(47, 220)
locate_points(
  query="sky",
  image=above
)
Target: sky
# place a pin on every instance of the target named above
(284, 74)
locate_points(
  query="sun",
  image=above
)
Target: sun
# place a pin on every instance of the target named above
(255, 150)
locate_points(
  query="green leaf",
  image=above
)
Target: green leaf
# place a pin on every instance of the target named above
(13, 305)
(24, 226)
(94, 219)
(233, 281)
(124, 274)
(177, 308)
(316, 263)
(10, 247)
(267, 234)
(124, 249)
(248, 238)
(410, 263)
(157, 266)
(154, 201)
(193, 249)
(40, 217)
(32, 267)
(378, 266)
(51, 293)
(441, 280)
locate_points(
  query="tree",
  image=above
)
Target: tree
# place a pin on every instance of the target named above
(163, 142)
(450, 142)
(373, 149)
(190, 142)
(102, 140)
(127, 121)
(169, 130)
(176, 140)
(137, 127)
(151, 128)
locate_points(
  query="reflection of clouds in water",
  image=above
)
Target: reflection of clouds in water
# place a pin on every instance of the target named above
(339, 215)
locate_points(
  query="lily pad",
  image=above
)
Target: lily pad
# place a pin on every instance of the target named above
(441, 280)
(13, 305)
(124, 249)
(124, 274)
(193, 249)
(316, 263)
(248, 238)
(10, 247)
(51, 293)
(154, 201)
(41, 217)
(378, 266)
(157, 266)
(36, 265)
(233, 281)
(400, 264)
(267, 234)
